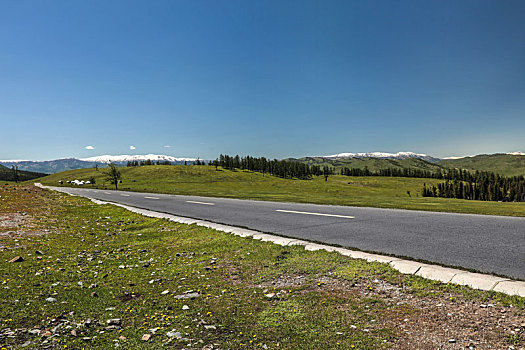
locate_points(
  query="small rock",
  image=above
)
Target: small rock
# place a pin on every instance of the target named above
(16, 259)
(207, 326)
(187, 296)
(146, 337)
(114, 322)
(51, 300)
(122, 337)
(38, 252)
(452, 341)
(185, 307)
(270, 295)
(165, 292)
(173, 334)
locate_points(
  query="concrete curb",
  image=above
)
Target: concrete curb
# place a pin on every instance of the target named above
(433, 272)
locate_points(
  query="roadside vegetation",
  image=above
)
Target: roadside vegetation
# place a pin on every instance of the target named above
(79, 275)
(381, 192)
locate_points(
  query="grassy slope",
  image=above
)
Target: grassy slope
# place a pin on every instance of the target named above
(383, 192)
(373, 164)
(504, 164)
(323, 300)
(6, 174)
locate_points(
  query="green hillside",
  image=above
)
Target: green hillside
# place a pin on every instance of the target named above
(504, 164)
(373, 164)
(7, 174)
(382, 192)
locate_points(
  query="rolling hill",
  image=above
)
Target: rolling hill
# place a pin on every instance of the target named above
(7, 174)
(373, 164)
(503, 164)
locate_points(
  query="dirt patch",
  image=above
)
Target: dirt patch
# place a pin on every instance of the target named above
(14, 220)
(288, 281)
(445, 322)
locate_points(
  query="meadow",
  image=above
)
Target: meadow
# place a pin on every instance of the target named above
(380, 192)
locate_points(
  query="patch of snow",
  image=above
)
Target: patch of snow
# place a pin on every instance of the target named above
(454, 157)
(14, 160)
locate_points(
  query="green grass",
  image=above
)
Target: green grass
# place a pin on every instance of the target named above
(381, 192)
(132, 259)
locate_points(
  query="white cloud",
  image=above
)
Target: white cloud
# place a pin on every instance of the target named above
(132, 147)
(167, 146)
(89, 147)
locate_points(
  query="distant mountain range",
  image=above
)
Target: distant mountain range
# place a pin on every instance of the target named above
(508, 164)
(59, 165)
(383, 155)
(127, 158)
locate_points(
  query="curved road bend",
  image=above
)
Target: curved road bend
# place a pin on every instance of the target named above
(490, 244)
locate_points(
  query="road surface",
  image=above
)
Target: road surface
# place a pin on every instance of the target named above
(490, 244)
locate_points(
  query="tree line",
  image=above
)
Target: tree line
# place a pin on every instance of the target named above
(16, 175)
(488, 188)
(147, 162)
(442, 174)
(286, 169)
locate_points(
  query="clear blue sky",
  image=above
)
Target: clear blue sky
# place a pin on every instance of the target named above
(274, 78)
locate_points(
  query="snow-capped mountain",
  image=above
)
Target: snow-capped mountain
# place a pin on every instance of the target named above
(398, 155)
(128, 158)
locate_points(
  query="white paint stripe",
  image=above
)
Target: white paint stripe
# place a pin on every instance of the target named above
(151, 197)
(319, 214)
(200, 203)
(125, 195)
(107, 192)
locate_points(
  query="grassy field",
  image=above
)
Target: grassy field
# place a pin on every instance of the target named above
(92, 277)
(381, 192)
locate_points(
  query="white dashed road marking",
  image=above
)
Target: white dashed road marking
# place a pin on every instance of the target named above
(151, 197)
(194, 202)
(125, 195)
(318, 214)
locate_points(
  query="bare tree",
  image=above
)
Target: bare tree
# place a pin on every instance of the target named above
(16, 173)
(113, 175)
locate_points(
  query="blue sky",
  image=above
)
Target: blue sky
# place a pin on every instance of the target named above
(273, 78)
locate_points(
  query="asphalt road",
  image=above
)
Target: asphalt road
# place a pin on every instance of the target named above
(490, 244)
